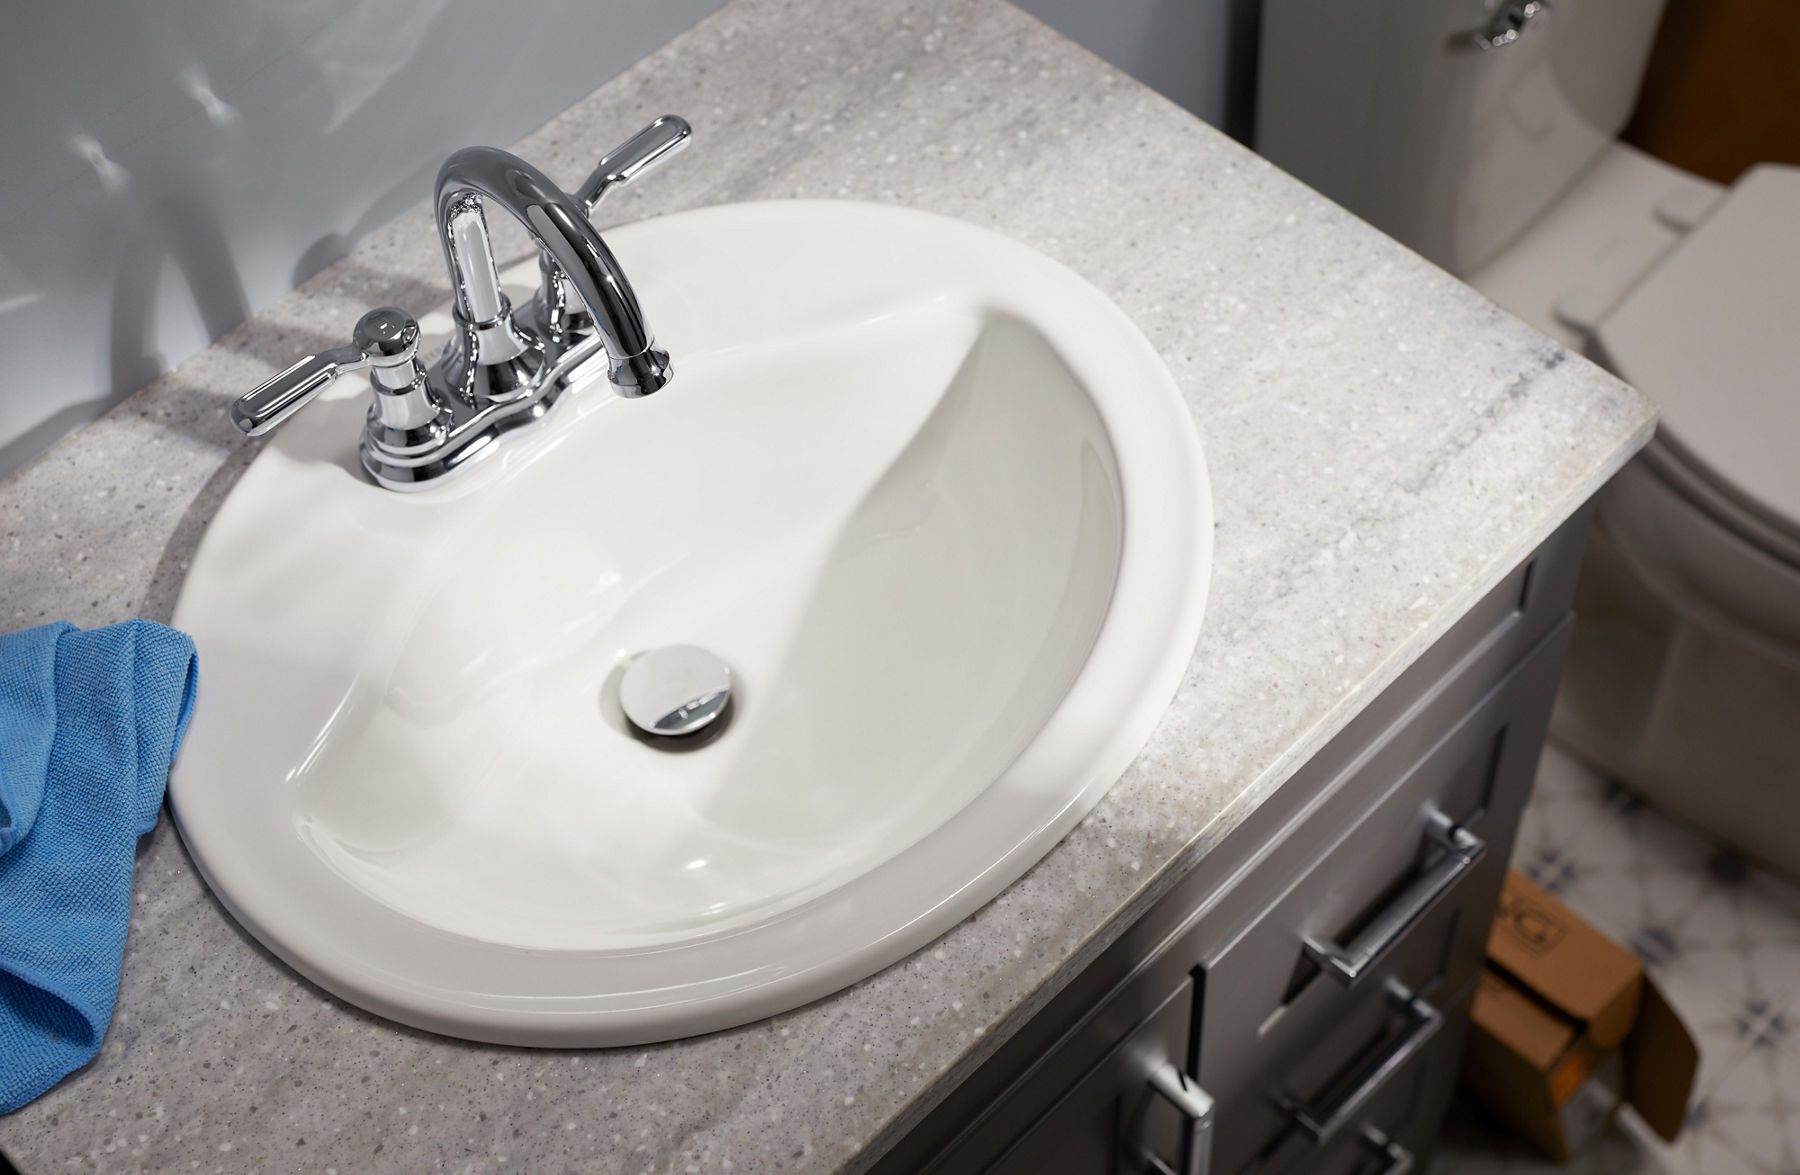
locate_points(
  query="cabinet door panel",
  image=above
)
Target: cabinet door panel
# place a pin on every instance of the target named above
(1112, 1120)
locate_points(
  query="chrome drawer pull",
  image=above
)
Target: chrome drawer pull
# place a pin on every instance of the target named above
(1399, 1159)
(1347, 964)
(1322, 1122)
(1196, 1108)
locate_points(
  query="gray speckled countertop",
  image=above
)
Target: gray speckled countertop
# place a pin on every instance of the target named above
(1383, 443)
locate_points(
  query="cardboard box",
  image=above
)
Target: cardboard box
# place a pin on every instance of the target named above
(1567, 1027)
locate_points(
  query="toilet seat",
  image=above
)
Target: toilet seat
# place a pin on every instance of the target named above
(1724, 503)
(1713, 335)
(1688, 543)
(1585, 252)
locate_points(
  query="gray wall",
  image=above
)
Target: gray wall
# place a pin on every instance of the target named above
(1201, 53)
(167, 170)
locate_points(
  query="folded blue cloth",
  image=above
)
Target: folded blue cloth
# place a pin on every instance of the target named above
(89, 722)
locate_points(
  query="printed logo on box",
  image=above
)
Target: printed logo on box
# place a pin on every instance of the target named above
(1537, 929)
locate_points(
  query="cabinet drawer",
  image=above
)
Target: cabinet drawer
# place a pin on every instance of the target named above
(1113, 1119)
(1256, 1111)
(1397, 1125)
(1401, 896)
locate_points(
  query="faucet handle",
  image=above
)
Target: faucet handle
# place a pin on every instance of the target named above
(386, 339)
(637, 156)
(558, 310)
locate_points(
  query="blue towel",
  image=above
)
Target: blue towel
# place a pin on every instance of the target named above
(89, 722)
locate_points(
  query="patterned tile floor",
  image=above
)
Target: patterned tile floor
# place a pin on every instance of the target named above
(1721, 937)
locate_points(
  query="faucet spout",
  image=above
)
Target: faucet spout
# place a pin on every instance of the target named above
(496, 374)
(478, 175)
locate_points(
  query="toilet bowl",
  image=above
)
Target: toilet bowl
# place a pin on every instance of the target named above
(1500, 164)
(1686, 681)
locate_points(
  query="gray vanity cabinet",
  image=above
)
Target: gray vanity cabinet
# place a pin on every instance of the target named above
(1307, 981)
(1287, 1046)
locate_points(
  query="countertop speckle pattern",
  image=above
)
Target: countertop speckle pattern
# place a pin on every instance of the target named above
(1383, 444)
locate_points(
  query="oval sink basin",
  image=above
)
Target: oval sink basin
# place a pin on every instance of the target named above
(932, 498)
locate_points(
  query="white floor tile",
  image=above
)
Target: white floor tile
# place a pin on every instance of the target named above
(1722, 939)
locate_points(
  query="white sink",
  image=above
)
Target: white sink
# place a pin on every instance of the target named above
(931, 496)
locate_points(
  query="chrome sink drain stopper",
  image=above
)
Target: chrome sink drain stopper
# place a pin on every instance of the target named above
(675, 691)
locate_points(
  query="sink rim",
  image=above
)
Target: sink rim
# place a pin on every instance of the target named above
(518, 995)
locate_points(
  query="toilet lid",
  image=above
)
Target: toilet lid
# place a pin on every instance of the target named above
(1713, 335)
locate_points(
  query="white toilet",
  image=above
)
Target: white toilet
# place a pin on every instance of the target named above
(1481, 133)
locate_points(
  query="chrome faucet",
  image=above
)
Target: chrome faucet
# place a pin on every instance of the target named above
(501, 369)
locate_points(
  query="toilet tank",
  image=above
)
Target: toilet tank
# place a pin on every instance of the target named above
(1389, 108)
